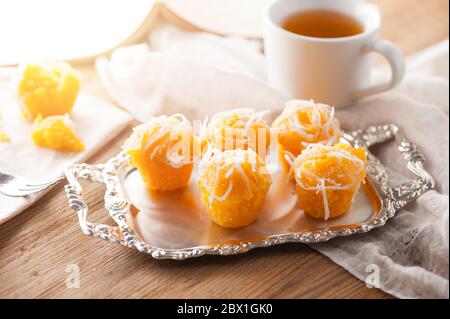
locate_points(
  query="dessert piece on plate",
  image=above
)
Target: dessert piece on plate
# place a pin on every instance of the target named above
(301, 123)
(47, 89)
(328, 178)
(162, 149)
(233, 186)
(238, 129)
(56, 132)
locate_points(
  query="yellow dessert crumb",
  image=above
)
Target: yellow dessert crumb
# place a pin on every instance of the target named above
(55, 132)
(47, 89)
(233, 186)
(4, 137)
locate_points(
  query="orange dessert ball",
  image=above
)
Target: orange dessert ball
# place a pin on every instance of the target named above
(162, 151)
(301, 123)
(233, 185)
(328, 178)
(56, 132)
(239, 129)
(47, 89)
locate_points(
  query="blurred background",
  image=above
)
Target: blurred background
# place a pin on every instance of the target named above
(79, 30)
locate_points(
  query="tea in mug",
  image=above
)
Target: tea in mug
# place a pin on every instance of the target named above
(322, 24)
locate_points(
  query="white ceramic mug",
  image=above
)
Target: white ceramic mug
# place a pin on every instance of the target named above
(336, 71)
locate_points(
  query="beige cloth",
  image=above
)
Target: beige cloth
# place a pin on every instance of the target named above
(199, 74)
(96, 122)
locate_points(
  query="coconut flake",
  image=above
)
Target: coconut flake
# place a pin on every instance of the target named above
(162, 125)
(325, 201)
(247, 116)
(231, 162)
(317, 151)
(319, 113)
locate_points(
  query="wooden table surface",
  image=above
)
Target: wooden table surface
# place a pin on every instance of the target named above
(37, 245)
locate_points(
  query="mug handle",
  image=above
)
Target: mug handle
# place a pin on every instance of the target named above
(395, 58)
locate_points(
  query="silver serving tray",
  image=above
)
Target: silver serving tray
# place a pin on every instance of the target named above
(175, 225)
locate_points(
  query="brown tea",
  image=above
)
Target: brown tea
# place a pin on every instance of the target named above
(322, 24)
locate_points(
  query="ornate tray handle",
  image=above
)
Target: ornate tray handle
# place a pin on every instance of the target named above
(114, 202)
(393, 199)
(406, 192)
(415, 163)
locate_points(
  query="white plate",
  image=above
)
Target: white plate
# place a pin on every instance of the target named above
(225, 17)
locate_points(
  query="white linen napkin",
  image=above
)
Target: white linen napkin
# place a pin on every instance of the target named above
(96, 122)
(200, 74)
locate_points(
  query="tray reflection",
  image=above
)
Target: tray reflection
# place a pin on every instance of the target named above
(178, 219)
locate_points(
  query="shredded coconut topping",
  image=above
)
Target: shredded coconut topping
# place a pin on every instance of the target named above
(228, 162)
(314, 152)
(161, 126)
(290, 158)
(246, 118)
(325, 200)
(325, 125)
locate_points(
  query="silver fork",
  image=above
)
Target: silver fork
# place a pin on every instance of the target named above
(17, 186)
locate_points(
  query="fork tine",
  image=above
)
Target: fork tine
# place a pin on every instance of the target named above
(15, 194)
(31, 189)
(37, 187)
(18, 186)
(18, 193)
(42, 184)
